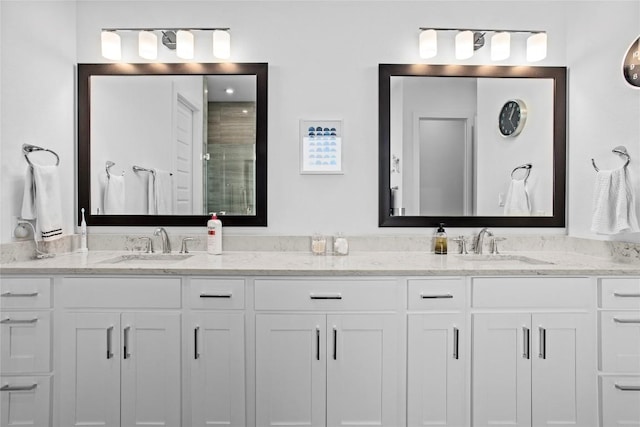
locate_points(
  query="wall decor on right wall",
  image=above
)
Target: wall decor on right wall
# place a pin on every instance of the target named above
(631, 64)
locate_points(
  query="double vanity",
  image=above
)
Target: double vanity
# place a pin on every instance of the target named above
(119, 338)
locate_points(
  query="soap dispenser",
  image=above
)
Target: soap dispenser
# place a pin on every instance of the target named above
(441, 240)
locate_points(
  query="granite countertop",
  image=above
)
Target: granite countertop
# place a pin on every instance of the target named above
(272, 263)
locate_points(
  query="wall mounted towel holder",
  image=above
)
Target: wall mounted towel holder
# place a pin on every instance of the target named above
(620, 150)
(141, 169)
(527, 167)
(28, 148)
(108, 166)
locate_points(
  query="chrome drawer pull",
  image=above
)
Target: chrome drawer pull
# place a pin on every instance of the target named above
(109, 333)
(335, 343)
(8, 387)
(626, 295)
(617, 320)
(436, 296)
(126, 346)
(456, 342)
(317, 343)
(327, 296)
(525, 343)
(220, 295)
(11, 294)
(542, 350)
(9, 321)
(196, 352)
(628, 387)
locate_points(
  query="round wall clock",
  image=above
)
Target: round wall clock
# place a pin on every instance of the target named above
(512, 117)
(631, 64)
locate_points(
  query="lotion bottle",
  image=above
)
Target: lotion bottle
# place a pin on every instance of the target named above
(83, 234)
(441, 241)
(214, 235)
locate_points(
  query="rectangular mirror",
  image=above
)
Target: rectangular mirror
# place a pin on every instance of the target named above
(165, 144)
(472, 145)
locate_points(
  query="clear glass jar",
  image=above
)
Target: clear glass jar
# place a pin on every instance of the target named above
(318, 244)
(340, 245)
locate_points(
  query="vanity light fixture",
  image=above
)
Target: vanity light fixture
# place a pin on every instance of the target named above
(182, 40)
(468, 40)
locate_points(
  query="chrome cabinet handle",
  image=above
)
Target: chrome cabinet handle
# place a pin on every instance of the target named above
(9, 321)
(327, 296)
(627, 387)
(456, 342)
(220, 295)
(126, 346)
(542, 350)
(335, 343)
(618, 320)
(525, 343)
(109, 334)
(627, 295)
(28, 294)
(440, 296)
(317, 343)
(8, 387)
(196, 352)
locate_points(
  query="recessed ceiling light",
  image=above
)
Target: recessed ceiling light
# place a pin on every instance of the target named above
(229, 90)
(245, 111)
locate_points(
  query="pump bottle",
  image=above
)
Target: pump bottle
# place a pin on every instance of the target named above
(214, 235)
(441, 241)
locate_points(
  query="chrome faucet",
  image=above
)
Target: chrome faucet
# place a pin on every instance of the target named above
(166, 245)
(479, 240)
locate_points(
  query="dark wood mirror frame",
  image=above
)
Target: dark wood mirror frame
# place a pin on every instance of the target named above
(86, 71)
(559, 77)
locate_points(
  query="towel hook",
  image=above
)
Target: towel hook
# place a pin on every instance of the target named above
(620, 150)
(526, 166)
(28, 148)
(108, 166)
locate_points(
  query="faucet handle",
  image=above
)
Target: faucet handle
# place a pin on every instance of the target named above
(150, 249)
(184, 249)
(493, 248)
(462, 244)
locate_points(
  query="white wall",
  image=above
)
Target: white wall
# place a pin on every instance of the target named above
(323, 58)
(604, 112)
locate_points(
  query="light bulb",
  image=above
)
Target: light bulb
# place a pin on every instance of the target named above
(111, 45)
(537, 47)
(428, 44)
(147, 45)
(221, 44)
(464, 44)
(500, 46)
(184, 44)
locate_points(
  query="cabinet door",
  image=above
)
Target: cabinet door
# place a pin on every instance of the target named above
(436, 370)
(620, 345)
(620, 401)
(25, 401)
(563, 370)
(26, 342)
(290, 370)
(90, 370)
(217, 369)
(501, 369)
(362, 370)
(150, 369)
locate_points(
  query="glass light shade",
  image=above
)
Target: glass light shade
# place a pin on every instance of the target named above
(221, 44)
(500, 46)
(111, 45)
(428, 44)
(147, 45)
(184, 44)
(464, 44)
(537, 47)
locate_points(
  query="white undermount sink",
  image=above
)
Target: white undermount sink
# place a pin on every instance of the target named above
(147, 257)
(502, 258)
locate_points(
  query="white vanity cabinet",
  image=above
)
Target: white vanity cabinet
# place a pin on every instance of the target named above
(437, 356)
(120, 351)
(327, 367)
(533, 352)
(216, 359)
(619, 351)
(25, 351)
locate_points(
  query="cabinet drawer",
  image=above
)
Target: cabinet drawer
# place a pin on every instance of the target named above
(25, 292)
(620, 293)
(620, 401)
(325, 295)
(530, 292)
(25, 401)
(26, 341)
(620, 341)
(121, 292)
(436, 294)
(226, 294)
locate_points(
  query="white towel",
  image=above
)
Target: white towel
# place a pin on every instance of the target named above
(114, 195)
(41, 200)
(517, 203)
(160, 193)
(614, 208)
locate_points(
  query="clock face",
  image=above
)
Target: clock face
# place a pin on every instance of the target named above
(631, 64)
(512, 117)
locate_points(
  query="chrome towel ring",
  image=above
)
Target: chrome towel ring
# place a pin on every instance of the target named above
(526, 166)
(28, 148)
(620, 150)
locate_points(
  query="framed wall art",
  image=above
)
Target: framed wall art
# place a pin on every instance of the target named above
(321, 146)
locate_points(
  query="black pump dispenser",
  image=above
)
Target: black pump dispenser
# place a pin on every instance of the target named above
(441, 241)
